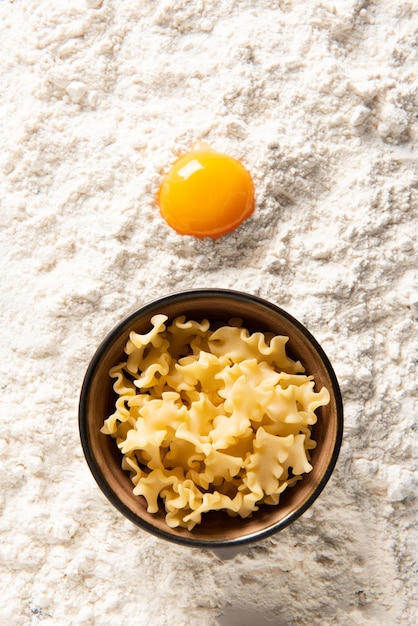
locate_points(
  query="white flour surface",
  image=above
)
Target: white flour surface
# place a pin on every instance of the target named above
(319, 100)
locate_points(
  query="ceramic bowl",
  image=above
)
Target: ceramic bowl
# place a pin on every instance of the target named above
(217, 529)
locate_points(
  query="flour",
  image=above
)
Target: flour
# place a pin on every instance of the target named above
(319, 101)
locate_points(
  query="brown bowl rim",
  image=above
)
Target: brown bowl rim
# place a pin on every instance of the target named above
(154, 306)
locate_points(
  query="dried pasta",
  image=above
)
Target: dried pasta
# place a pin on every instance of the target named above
(211, 419)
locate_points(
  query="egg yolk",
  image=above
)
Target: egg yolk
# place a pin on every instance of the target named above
(206, 194)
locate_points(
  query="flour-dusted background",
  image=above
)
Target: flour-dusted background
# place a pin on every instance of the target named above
(319, 100)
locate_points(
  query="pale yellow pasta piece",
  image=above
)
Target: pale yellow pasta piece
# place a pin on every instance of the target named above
(228, 429)
(131, 464)
(121, 414)
(248, 399)
(155, 483)
(297, 458)
(249, 503)
(152, 338)
(200, 416)
(265, 465)
(136, 402)
(298, 380)
(183, 333)
(122, 385)
(184, 496)
(154, 367)
(199, 479)
(157, 419)
(273, 498)
(281, 429)
(219, 464)
(309, 443)
(122, 429)
(238, 345)
(183, 454)
(201, 371)
(283, 406)
(150, 449)
(312, 401)
(125, 390)
(214, 502)
(260, 373)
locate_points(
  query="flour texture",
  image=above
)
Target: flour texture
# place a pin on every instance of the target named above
(319, 101)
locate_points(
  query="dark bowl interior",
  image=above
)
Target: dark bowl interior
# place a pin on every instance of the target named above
(217, 529)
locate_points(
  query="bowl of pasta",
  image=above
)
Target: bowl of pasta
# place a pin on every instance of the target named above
(211, 418)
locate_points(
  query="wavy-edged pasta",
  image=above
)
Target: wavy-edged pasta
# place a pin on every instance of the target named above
(211, 419)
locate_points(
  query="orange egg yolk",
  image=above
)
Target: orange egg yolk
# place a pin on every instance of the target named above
(206, 194)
